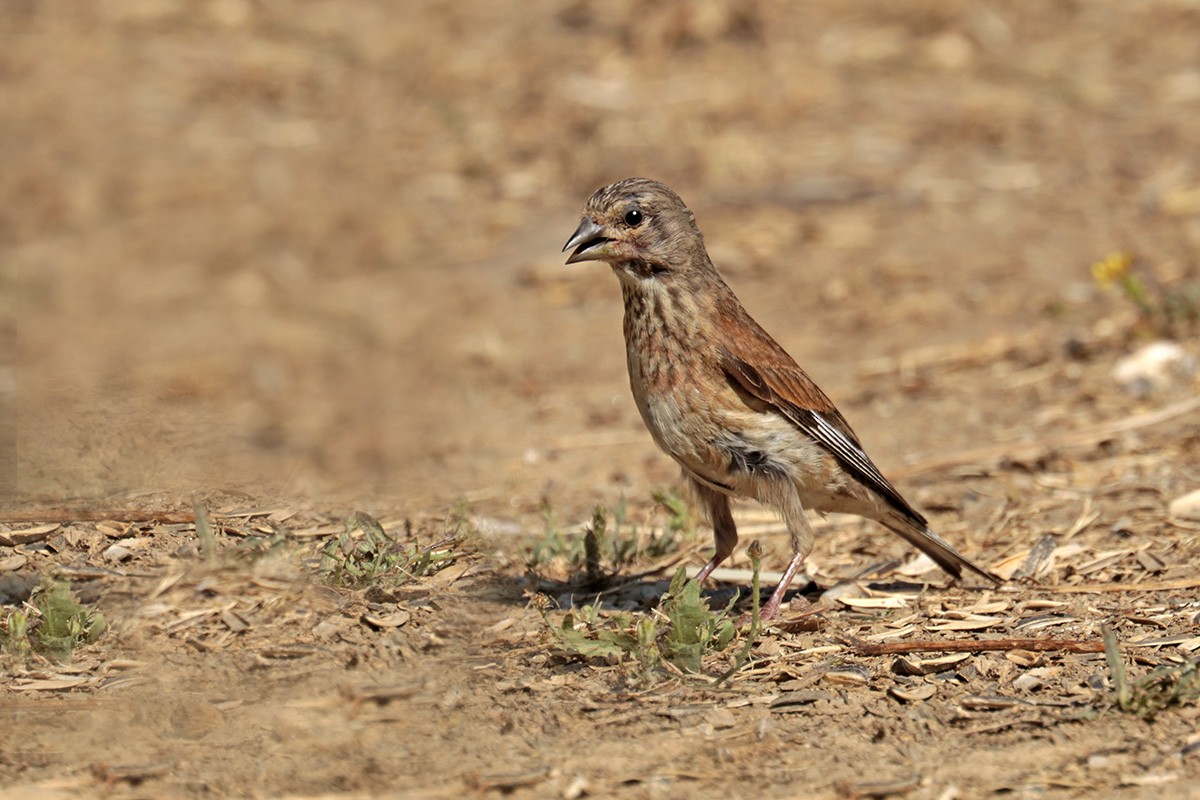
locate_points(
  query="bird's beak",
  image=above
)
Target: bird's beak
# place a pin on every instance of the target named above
(589, 242)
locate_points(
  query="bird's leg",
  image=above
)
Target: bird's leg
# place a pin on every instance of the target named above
(771, 607)
(724, 529)
(803, 537)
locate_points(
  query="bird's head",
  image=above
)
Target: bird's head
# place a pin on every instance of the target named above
(639, 227)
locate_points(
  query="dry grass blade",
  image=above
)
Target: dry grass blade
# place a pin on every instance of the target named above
(1116, 666)
(204, 531)
(1152, 693)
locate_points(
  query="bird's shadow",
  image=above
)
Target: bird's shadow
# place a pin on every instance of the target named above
(612, 593)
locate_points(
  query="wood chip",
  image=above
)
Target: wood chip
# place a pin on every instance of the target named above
(48, 684)
(118, 553)
(448, 576)
(234, 621)
(1040, 558)
(288, 651)
(1043, 621)
(990, 702)
(913, 694)
(1024, 658)
(928, 666)
(899, 633)
(975, 623)
(1161, 641)
(318, 533)
(892, 601)
(13, 562)
(1149, 561)
(113, 529)
(994, 607)
(848, 675)
(27, 535)
(394, 620)
(792, 700)
(1191, 645)
(1008, 567)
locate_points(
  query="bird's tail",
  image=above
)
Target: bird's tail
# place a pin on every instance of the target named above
(934, 546)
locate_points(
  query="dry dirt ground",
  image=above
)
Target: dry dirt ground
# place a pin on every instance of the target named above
(295, 260)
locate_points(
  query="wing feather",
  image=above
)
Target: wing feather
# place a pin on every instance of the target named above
(785, 387)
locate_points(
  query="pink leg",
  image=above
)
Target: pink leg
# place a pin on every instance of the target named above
(724, 530)
(772, 606)
(703, 574)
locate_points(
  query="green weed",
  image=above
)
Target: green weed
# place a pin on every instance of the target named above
(366, 553)
(1152, 693)
(611, 542)
(682, 632)
(52, 623)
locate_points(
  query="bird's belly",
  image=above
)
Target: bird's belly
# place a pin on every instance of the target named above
(730, 449)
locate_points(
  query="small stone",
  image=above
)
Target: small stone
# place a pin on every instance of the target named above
(1027, 682)
(576, 788)
(1186, 506)
(118, 553)
(1153, 367)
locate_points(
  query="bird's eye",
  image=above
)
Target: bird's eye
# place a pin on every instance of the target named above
(633, 217)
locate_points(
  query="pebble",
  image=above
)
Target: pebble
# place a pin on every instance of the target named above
(1152, 367)
(1186, 506)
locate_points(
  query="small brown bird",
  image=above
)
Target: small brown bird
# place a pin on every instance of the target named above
(721, 397)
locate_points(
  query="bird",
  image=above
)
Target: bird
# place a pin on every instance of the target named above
(724, 399)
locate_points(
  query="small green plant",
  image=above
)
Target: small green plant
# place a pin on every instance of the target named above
(610, 541)
(204, 531)
(1165, 310)
(366, 553)
(1152, 693)
(682, 632)
(52, 623)
(755, 553)
(554, 544)
(14, 632)
(692, 631)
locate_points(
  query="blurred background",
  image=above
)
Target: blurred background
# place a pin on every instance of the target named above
(312, 247)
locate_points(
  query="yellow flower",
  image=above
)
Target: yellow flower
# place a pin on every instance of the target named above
(1114, 267)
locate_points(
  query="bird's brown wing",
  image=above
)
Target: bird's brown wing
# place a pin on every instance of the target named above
(765, 371)
(762, 369)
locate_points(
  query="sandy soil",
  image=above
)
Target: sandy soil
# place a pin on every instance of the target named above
(298, 259)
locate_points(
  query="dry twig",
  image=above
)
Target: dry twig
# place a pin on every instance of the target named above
(975, 646)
